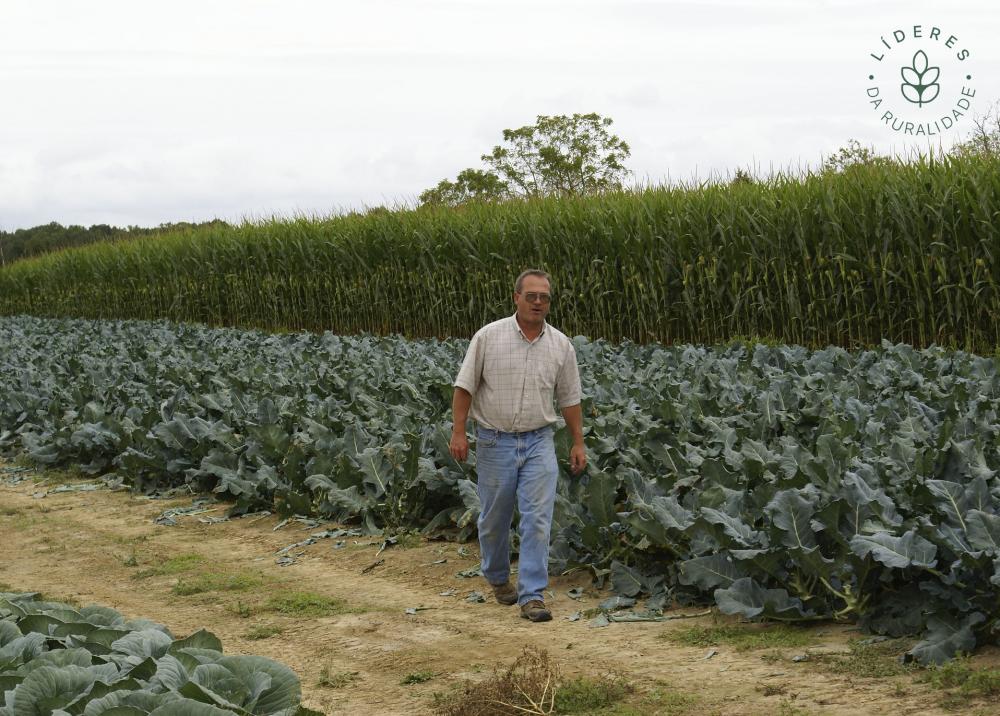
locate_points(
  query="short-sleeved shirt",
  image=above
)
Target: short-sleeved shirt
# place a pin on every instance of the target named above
(513, 381)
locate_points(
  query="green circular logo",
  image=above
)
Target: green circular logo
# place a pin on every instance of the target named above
(920, 81)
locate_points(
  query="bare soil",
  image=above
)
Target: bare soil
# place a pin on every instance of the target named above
(94, 547)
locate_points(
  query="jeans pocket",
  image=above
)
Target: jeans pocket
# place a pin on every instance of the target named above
(486, 438)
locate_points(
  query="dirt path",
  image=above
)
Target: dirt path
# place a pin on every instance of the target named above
(92, 546)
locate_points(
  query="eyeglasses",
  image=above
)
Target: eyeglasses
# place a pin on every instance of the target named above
(532, 296)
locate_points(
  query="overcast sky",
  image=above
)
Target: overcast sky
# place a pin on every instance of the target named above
(126, 112)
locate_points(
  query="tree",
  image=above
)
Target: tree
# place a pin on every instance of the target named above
(469, 185)
(561, 155)
(557, 156)
(742, 177)
(854, 155)
(985, 136)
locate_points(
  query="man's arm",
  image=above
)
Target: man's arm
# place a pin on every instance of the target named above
(568, 398)
(466, 384)
(460, 404)
(573, 415)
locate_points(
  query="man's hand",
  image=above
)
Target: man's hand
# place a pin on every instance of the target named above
(574, 423)
(577, 458)
(459, 446)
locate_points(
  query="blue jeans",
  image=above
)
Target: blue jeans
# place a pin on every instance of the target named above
(521, 469)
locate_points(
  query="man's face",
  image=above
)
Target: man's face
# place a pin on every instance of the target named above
(533, 312)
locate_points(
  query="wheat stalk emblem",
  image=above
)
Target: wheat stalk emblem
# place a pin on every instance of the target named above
(920, 82)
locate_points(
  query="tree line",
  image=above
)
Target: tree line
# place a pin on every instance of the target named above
(578, 155)
(24, 243)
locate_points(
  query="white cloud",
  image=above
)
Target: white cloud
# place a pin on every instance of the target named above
(140, 113)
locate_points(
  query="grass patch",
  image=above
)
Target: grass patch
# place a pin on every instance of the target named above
(336, 680)
(263, 631)
(22, 459)
(409, 540)
(23, 521)
(53, 543)
(867, 661)
(532, 685)
(236, 582)
(416, 677)
(68, 601)
(786, 708)
(174, 565)
(526, 684)
(741, 638)
(584, 694)
(64, 476)
(664, 701)
(962, 684)
(308, 604)
(10, 511)
(242, 609)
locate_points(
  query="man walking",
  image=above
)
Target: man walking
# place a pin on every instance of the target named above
(512, 371)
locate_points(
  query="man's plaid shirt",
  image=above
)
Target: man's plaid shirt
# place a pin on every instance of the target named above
(513, 380)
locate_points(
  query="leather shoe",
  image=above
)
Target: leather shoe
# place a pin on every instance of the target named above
(536, 611)
(505, 593)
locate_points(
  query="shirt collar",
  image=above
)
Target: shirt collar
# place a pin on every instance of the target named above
(517, 327)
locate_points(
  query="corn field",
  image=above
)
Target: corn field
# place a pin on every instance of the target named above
(904, 252)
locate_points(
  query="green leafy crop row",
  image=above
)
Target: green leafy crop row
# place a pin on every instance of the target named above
(59, 660)
(778, 482)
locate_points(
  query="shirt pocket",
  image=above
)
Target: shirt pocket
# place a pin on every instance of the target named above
(496, 367)
(547, 371)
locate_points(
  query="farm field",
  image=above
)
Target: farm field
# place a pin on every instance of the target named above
(348, 637)
(853, 493)
(776, 482)
(901, 252)
(257, 416)
(59, 659)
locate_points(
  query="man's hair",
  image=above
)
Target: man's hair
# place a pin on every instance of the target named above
(519, 283)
